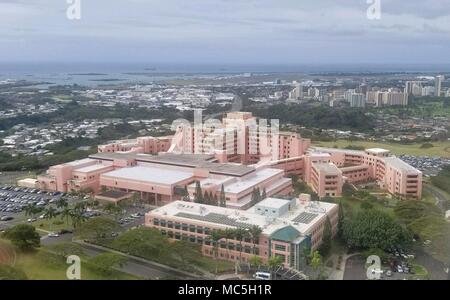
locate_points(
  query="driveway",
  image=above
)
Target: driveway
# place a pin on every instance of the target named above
(355, 268)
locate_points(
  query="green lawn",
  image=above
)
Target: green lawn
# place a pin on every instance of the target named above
(46, 266)
(56, 224)
(355, 203)
(43, 265)
(209, 265)
(439, 149)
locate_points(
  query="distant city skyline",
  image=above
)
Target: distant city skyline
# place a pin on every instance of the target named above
(255, 32)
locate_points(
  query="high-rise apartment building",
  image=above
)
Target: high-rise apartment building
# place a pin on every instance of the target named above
(437, 85)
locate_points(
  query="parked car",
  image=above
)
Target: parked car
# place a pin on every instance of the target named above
(262, 276)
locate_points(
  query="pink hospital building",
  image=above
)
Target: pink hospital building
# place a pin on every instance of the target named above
(235, 155)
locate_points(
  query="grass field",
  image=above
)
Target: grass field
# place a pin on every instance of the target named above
(44, 265)
(439, 149)
(55, 224)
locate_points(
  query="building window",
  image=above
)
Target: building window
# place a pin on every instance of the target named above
(280, 247)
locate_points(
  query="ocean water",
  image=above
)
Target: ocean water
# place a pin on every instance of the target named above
(93, 74)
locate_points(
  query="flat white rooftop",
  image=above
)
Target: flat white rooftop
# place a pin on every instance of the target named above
(377, 150)
(150, 174)
(302, 217)
(328, 168)
(92, 168)
(273, 202)
(400, 164)
(254, 179)
(335, 150)
(79, 162)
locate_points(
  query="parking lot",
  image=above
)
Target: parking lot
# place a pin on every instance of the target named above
(398, 265)
(13, 201)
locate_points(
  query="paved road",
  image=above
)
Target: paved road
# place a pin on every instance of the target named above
(434, 267)
(237, 104)
(441, 199)
(355, 268)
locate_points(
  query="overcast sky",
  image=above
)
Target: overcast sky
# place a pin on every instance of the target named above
(226, 31)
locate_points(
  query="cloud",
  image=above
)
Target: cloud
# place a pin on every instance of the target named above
(225, 30)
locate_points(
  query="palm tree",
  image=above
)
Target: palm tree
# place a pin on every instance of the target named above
(113, 209)
(255, 232)
(274, 262)
(240, 234)
(49, 214)
(228, 234)
(61, 203)
(66, 214)
(216, 236)
(255, 261)
(30, 210)
(77, 214)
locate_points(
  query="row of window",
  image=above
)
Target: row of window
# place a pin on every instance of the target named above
(208, 242)
(190, 228)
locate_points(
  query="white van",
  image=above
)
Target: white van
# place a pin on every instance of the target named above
(262, 276)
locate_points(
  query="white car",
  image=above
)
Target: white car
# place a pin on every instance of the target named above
(262, 276)
(31, 220)
(53, 234)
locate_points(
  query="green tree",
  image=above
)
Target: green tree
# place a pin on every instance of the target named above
(316, 260)
(114, 210)
(326, 238)
(255, 261)
(222, 199)
(185, 194)
(216, 236)
(77, 213)
(341, 218)
(255, 233)
(63, 250)
(258, 195)
(186, 252)
(96, 228)
(11, 273)
(106, 262)
(264, 194)
(66, 214)
(228, 234)
(274, 262)
(374, 229)
(198, 195)
(23, 236)
(32, 210)
(61, 203)
(240, 234)
(254, 197)
(136, 199)
(206, 198)
(49, 214)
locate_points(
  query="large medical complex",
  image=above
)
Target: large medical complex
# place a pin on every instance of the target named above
(236, 156)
